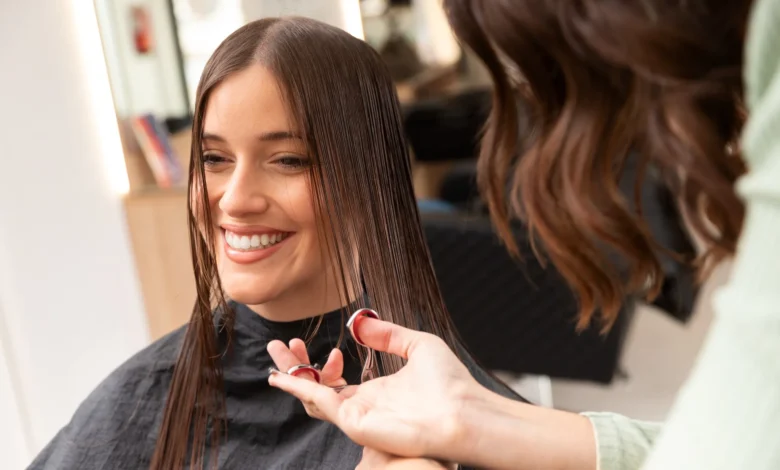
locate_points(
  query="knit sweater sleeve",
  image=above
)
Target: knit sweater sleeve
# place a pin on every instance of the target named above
(622, 443)
(727, 415)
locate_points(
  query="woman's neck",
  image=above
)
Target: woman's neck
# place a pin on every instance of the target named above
(299, 304)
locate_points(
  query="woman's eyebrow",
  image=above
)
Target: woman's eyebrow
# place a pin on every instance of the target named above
(214, 137)
(265, 136)
(279, 135)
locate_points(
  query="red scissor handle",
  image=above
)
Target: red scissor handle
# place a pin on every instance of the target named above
(355, 319)
(295, 371)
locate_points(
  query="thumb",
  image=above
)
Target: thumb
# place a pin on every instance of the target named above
(388, 337)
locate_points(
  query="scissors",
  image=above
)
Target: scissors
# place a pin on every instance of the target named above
(368, 366)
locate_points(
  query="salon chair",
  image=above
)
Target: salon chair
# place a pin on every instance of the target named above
(515, 317)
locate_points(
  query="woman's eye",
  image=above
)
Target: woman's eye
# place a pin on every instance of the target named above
(292, 162)
(211, 159)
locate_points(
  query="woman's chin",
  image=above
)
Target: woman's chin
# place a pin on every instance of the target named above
(247, 294)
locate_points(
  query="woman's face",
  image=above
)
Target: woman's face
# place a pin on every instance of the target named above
(256, 165)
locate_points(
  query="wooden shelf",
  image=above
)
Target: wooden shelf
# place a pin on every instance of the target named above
(157, 222)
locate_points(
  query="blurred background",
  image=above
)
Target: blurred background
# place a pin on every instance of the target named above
(94, 256)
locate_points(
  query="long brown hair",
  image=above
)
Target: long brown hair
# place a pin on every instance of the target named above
(597, 79)
(346, 108)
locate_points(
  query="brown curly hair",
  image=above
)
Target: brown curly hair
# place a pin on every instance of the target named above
(597, 79)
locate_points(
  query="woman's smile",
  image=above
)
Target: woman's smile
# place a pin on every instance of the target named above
(250, 244)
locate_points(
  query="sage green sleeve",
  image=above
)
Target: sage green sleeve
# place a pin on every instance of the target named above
(727, 416)
(622, 443)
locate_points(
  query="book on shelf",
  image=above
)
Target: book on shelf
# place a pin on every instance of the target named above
(155, 144)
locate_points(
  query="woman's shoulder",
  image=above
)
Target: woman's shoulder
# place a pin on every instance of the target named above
(120, 415)
(146, 372)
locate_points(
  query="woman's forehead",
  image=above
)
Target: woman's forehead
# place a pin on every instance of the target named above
(247, 101)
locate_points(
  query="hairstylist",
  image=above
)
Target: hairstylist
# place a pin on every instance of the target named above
(662, 78)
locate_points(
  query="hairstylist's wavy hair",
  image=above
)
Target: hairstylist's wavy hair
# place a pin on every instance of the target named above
(345, 105)
(599, 79)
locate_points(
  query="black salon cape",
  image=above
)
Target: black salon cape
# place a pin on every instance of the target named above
(116, 426)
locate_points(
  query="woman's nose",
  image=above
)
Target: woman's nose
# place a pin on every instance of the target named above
(243, 195)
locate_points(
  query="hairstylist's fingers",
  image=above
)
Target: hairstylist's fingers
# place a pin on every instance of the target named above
(334, 369)
(391, 338)
(298, 347)
(284, 358)
(321, 402)
(348, 391)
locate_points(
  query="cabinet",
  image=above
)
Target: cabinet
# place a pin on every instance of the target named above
(157, 222)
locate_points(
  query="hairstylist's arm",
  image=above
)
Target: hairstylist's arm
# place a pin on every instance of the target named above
(433, 407)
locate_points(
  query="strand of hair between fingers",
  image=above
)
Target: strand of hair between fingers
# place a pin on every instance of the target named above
(336, 388)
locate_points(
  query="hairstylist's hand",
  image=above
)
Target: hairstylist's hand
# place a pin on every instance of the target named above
(375, 460)
(414, 412)
(285, 357)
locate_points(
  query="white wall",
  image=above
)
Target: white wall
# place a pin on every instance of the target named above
(14, 434)
(344, 14)
(201, 30)
(71, 305)
(435, 41)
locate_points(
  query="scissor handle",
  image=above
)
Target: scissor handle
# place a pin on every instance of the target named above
(305, 369)
(356, 317)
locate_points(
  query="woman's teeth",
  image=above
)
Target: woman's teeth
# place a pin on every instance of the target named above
(253, 242)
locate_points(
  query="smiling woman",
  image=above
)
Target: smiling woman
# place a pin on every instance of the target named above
(256, 169)
(301, 211)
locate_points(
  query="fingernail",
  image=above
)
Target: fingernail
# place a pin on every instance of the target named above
(273, 370)
(353, 320)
